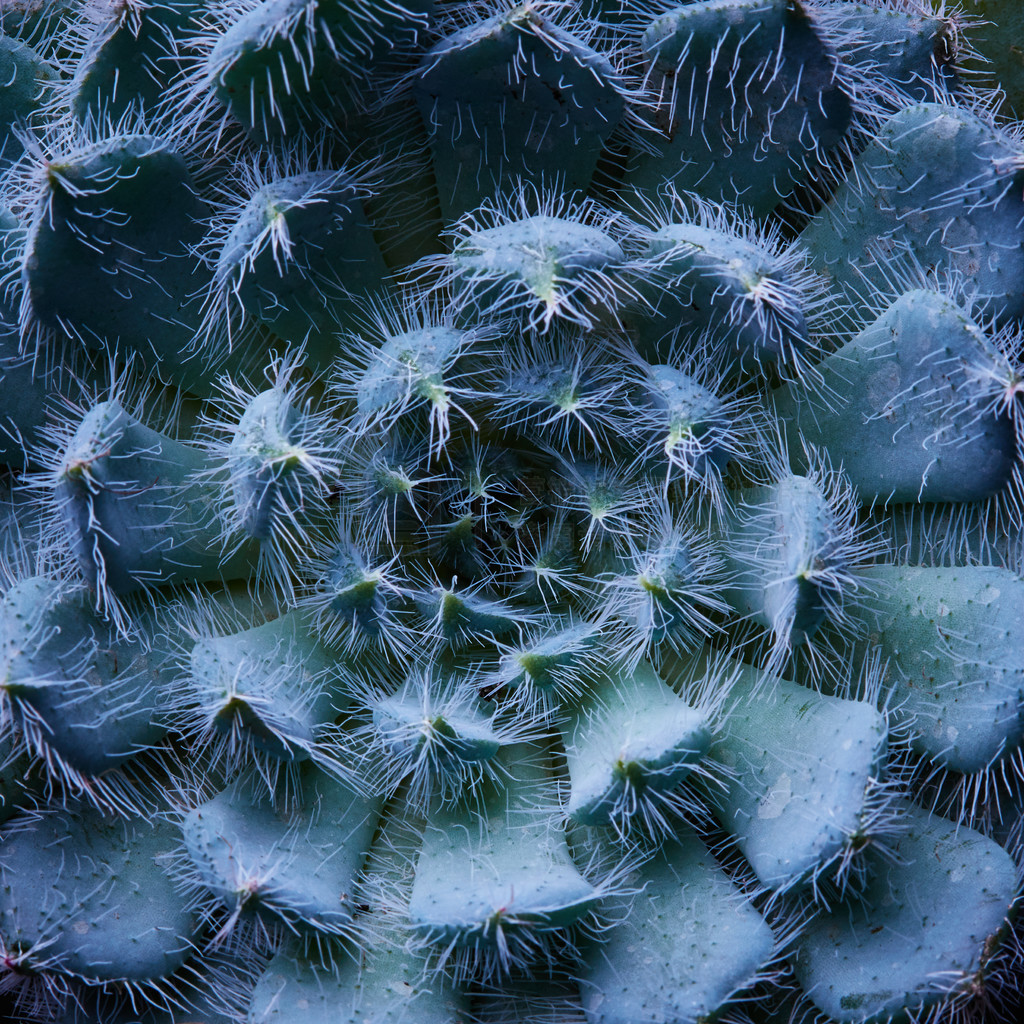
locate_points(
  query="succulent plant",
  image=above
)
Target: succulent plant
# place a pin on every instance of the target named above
(511, 512)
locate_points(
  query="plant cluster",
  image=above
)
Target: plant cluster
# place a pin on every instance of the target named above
(511, 513)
